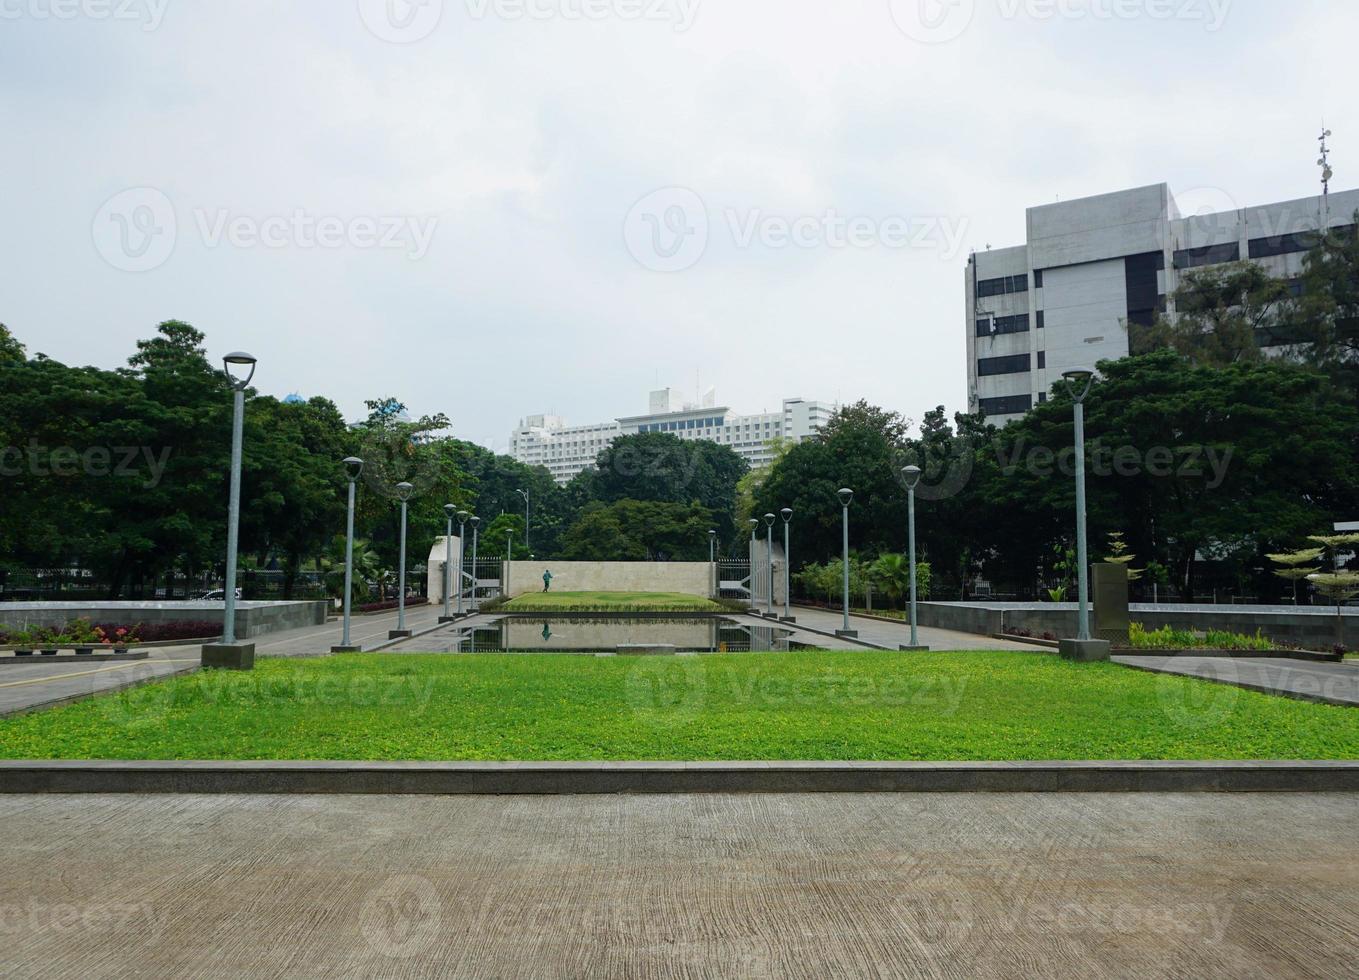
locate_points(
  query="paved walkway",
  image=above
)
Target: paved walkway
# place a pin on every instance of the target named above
(893, 634)
(1330, 683)
(815, 885)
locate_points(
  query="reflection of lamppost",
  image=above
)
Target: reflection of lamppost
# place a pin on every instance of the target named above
(846, 495)
(449, 511)
(912, 477)
(229, 654)
(403, 494)
(476, 523)
(1079, 381)
(353, 466)
(525, 495)
(769, 566)
(787, 514)
(462, 550)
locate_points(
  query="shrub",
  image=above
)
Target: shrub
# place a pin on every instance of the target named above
(1169, 638)
(372, 607)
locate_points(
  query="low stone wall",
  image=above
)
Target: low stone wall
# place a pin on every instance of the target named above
(1305, 626)
(687, 577)
(252, 618)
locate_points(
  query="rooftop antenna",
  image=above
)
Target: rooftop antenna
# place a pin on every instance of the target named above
(1326, 174)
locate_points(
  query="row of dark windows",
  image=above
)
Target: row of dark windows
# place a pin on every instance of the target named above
(1008, 364)
(1007, 405)
(1298, 241)
(682, 424)
(995, 326)
(1003, 286)
(1192, 258)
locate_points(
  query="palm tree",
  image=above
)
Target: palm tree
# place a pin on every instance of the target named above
(892, 574)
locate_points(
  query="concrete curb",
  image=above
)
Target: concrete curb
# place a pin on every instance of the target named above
(500, 778)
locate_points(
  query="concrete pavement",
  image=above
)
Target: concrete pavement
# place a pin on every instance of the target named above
(1306, 680)
(969, 885)
(891, 635)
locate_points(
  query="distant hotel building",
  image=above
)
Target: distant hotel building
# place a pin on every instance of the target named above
(1094, 267)
(546, 440)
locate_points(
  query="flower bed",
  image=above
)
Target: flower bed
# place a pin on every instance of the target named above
(375, 607)
(81, 633)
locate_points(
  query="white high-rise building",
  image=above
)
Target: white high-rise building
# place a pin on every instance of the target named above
(1094, 266)
(546, 440)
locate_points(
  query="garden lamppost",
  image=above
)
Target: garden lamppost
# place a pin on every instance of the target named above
(769, 579)
(754, 599)
(476, 523)
(353, 466)
(525, 495)
(846, 496)
(509, 556)
(462, 550)
(240, 368)
(912, 477)
(449, 511)
(403, 494)
(1079, 382)
(712, 563)
(787, 514)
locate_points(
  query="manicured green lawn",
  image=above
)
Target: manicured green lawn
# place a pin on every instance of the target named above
(815, 705)
(611, 602)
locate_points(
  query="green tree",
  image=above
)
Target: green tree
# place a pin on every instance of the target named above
(1221, 315)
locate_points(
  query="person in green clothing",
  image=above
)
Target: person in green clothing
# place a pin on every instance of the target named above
(547, 580)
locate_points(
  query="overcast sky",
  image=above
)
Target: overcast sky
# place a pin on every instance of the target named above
(493, 208)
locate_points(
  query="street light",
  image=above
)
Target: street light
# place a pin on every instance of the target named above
(240, 368)
(462, 550)
(1078, 381)
(476, 523)
(525, 495)
(912, 476)
(769, 579)
(509, 556)
(353, 466)
(787, 513)
(449, 511)
(754, 525)
(712, 563)
(403, 494)
(846, 495)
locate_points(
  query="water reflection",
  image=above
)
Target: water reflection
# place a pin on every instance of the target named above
(580, 635)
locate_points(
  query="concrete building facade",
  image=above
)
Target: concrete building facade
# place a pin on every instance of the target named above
(546, 440)
(1092, 268)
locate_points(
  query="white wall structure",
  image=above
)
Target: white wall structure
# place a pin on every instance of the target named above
(434, 580)
(686, 577)
(1093, 267)
(546, 440)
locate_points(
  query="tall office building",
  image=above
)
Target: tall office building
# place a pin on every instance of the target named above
(546, 440)
(1092, 267)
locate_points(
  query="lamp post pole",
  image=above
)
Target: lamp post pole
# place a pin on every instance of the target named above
(449, 511)
(787, 514)
(1079, 382)
(403, 493)
(712, 564)
(230, 654)
(462, 549)
(846, 495)
(353, 467)
(476, 523)
(912, 475)
(769, 535)
(754, 599)
(509, 556)
(525, 495)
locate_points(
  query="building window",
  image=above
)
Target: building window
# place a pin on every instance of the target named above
(1010, 364)
(1003, 285)
(1009, 405)
(1037, 278)
(1041, 322)
(995, 326)
(1042, 397)
(1042, 358)
(1192, 258)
